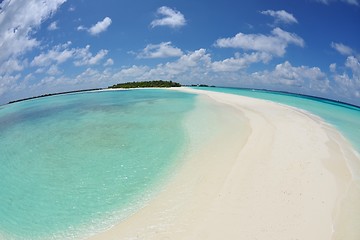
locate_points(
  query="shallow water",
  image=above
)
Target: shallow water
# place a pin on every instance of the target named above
(346, 118)
(70, 159)
(72, 165)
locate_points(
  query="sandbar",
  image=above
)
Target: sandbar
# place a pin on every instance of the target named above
(269, 172)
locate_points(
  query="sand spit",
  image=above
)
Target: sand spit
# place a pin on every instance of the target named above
(283, 174)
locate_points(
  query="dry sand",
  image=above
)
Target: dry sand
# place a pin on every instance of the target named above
(270, 172)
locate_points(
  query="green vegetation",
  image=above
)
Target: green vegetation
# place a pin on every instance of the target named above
(147, 84)
(200, 85)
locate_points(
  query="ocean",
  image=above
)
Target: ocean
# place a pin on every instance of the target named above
(344, 117)
(70, 163)
(75, 164)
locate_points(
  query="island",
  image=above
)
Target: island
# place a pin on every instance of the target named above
(200, 85)
(147, 84)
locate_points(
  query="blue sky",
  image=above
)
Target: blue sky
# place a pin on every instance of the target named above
(302, 46)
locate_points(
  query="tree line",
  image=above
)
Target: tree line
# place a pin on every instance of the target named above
(147, 84)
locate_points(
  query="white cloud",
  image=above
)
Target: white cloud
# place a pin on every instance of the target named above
(7, 82)
(281, 16)
(53, 70)
(81, 28)
(305, 78)
(62, 53)
(348, 82)
(10, 66)
(40, 70)
(186, 62)
(351, 2)
(332, 67)
(92, 78)
(109, 62)
(169, 17)
(240, 62)
(58, 54)
(274, 44)
(46, 65)
(342, 49)
(100, 26)
(18, 21)
(162, 50)
(87, 75)
(353, 64)
(198, 67)
(131, 73)
(29, 77)
(85, 57)
(346, 86)
(53, 26)
(97, 28)
(98, 57)
(192, 65)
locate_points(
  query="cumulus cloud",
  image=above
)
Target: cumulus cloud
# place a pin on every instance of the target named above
(281, 16)
(162, 50)
(58, 54)
(8, 81)
(109, 62)
(348, 82)
(93, 78)
(99, 27)
(332, 67)
(304, 78)
(85, 57)
(192, 65)
(240, 62)
(354, 65)
(53, 70)
(275, 43)
(131, 73)
(53, 26)
(62, 53)
(81, 28)
(18, 21)
(198, 66)
(11, 65)
(186, 62)
(168, 17)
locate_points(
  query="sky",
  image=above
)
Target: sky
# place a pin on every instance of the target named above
(301, 46)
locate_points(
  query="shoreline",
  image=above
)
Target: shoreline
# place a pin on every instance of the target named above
(286, 177)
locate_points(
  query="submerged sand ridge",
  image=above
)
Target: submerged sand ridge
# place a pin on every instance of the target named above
(269, 172)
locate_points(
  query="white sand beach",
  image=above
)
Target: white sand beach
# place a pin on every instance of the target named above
(271, 172)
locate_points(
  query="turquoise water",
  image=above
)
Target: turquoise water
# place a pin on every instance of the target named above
(76, 163)
(69, 159)
(345, 118)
